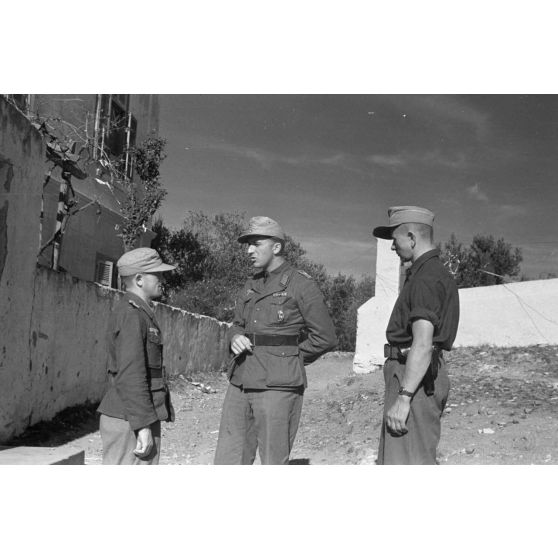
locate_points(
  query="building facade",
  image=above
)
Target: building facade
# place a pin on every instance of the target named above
(102, 127)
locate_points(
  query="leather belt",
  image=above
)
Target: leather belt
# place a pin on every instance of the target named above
(397, 352)
(272, 340)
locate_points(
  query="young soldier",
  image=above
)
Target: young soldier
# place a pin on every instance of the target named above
(264, 400)
(138, 398)
(423, 324)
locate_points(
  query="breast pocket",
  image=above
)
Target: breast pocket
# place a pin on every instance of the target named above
(154, 349)
(281, 310)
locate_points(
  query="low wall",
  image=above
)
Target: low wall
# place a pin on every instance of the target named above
(509, 315)
(62, 363)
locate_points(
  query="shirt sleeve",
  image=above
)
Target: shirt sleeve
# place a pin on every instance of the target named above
(426, 299)
(131, 379)
(321, 331)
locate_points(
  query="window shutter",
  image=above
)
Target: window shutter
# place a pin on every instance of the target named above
(104, 273)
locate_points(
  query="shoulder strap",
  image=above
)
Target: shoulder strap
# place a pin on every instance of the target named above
(285, 278)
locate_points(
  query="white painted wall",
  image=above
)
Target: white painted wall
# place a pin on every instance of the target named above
(373, 315)
(509, 315)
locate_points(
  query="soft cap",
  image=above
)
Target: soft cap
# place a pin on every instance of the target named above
(398, 215)
(262, 226)
(141, 260)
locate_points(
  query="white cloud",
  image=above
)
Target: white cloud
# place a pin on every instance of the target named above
(476, 193)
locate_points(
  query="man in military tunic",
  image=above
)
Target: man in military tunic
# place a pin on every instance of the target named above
(263, 403)
(137, 399)
(422, 325)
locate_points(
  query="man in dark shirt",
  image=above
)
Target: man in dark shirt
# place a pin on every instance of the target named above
(267, 378)
(422, 325)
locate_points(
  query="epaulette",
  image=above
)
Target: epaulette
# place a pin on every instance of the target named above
(304, 274)
(284, 281)
(134, 304)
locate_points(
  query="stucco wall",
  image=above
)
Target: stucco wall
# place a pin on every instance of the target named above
(510, 315)
(61, 360)
(21, 177)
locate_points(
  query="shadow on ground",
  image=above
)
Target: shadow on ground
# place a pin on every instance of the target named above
(67, 426)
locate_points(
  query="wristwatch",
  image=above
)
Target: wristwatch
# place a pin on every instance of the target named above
(405, 392)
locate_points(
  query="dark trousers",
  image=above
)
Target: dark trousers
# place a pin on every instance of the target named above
(418, 445)
(119, 442)
(252, 419)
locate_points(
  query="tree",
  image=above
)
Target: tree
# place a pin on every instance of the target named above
(182, 249)
(140, 205)
(485, 262)
(212, 264)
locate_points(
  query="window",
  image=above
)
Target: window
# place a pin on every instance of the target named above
(115, 130)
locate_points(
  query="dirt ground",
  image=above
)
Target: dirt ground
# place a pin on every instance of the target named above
(502, 410)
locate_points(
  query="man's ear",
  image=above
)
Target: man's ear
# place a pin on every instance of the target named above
(277, 247)
(138, 279)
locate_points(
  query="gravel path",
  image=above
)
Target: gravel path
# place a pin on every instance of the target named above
(502, 410)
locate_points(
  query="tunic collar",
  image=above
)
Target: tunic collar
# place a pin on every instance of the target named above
(141, 303)
(421, 261)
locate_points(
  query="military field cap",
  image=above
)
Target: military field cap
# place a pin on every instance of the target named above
(404, 214)
(141, 260)
(262, 226)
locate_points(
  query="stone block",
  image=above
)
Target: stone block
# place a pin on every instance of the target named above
(29, 455)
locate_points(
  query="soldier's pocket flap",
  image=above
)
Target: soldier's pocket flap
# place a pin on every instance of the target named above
(157, 384)
(283, 350)
(154, 336)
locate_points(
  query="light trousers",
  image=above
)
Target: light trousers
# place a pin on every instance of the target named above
(258, 419)
(119, 442)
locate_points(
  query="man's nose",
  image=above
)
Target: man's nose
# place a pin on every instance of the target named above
(251, 248)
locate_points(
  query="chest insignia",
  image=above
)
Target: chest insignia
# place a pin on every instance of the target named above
(280, 315)
(282, 293)
(250, 291)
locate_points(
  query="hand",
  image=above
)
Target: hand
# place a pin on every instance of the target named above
(240, 343)
(397, 415)
(144, 443)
